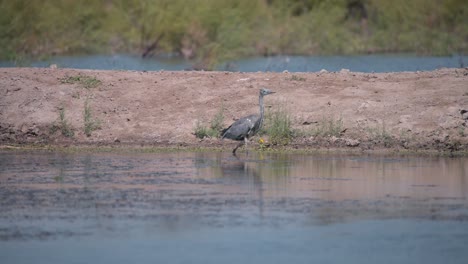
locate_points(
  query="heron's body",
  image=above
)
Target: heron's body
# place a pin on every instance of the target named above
(243, 128)
(246, 127)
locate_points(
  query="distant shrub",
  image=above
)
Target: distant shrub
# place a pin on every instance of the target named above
(214, 31)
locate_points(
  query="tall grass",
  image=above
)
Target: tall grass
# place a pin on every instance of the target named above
(63, 125)
(380, 134)
(325, 127)
(214, 129)
(90, 124)
(278, 126)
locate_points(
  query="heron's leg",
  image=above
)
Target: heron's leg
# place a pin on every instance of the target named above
(234, 150)
(246, 140)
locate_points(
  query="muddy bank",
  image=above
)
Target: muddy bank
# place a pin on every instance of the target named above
(407, 111)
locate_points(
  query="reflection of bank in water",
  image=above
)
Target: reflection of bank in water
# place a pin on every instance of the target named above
(342, 187)
(378, 177)
(249, 177)
(340, 177)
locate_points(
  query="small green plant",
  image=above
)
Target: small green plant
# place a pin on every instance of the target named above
(214, 129)
(297, 78)
(90, 124)
(216, 123)
(326, 127)
(278, 126)
(62, 125)
(201, 131)
(262, 145)
(461, 131)
(84, 80)
(380, 134)
(332, 127)
(59, 178)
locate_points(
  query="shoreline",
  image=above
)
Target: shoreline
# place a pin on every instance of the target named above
(344, 111)
(143, 149)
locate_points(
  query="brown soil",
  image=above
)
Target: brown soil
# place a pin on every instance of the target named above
(410, 110)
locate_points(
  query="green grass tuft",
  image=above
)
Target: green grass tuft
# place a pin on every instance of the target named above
(214, 129)
(84, 80)
(326, 127)
(63, 125)
(380, 134)
(216, 123)
(278, 126)
(90, 124)
(297, 78)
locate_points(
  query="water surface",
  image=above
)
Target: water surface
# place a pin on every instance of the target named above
(189, 207)
(358, 63)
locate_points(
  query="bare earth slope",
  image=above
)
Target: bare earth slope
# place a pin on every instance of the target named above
(413, 110)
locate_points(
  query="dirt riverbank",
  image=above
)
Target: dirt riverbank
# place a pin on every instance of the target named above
(409, 110)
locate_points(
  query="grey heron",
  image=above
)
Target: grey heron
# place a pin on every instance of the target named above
(246, 127)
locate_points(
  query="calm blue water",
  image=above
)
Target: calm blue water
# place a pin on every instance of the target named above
(109, 62)
(389, 241)
(187, 207)
(362, 63)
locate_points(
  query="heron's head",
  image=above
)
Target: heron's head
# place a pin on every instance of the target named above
(265, 91)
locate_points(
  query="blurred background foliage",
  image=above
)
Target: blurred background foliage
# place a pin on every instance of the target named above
(211, 31)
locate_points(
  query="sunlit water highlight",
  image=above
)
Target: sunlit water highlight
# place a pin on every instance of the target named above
(203, 207)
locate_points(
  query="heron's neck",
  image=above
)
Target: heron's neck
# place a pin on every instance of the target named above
(260, 102)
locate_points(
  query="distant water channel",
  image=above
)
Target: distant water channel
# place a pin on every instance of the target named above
(359, 63)
(186, 207)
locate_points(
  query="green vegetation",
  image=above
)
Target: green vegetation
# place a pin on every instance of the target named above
(84, 80)
(216, 123)
(461, 131)
(59, 178)
(380, 134)
(202, 131)
(90, 124)
(63, 125)
(214, 129)
(326, 127)
(215, 31)
(278, 126)
(297, 78)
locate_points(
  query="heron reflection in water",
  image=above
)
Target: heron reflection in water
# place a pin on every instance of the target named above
(244, 174)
